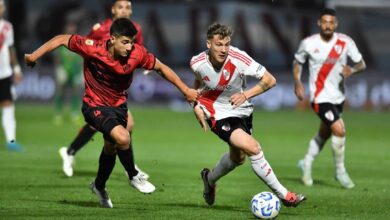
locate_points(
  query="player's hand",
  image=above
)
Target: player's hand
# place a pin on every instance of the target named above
(29, 60)
(18, 78)
(299, 91)
(347, 71)
(200, 117)
(191, 95)
(237, 99)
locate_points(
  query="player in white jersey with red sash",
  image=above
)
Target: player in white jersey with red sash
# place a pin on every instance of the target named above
(8, 57)
(327, 53)
(220, 74)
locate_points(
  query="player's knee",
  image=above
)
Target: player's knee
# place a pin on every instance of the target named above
(253, 149)
(130, 126)
(123, 139)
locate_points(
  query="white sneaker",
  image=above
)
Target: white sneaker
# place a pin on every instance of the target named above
(306, 173)
(67, 161)
(143, 185)
(102, 195)
(141, 172)
(345, 180)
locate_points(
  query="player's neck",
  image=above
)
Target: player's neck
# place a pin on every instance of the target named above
(216, 65)
(326, 38)
(111, 51)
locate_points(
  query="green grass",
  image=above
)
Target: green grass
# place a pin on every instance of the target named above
(173, 149)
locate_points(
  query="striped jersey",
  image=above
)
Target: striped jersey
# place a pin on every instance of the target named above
(326, 61)
(6, 41)
(216, 86)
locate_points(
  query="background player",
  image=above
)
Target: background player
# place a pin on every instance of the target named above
(7, 91)
(220, 73)
(101, 31)
(108, 73)
(327, 53)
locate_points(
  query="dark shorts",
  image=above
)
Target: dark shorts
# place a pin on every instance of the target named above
(5, 89)
(328, 112)
(224, 127)
(104, 119)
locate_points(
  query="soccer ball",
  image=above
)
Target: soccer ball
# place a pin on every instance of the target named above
(265, 205)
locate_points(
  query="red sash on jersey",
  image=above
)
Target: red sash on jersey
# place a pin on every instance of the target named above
(208, 98)
(2, 35)
(329, 63)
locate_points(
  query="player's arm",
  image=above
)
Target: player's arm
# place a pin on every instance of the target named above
(191, 95)
(15, 65)
(299, 88)
(199, 114)
(358, 67)
(266, 82)
(59, 40)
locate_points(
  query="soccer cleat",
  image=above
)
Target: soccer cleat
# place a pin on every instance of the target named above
(208, 191)
(102, 195)
(306, 173)
(293, 199)
(143, 185)
(142, 173)
(13, 146)
(67, 161)
(345, 180)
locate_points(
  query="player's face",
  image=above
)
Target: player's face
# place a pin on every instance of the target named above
(122, 45)
(218, 48)
(121, 9)
(327, 24)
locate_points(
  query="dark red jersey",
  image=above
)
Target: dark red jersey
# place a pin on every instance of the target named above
(106, 79)
(101, 31)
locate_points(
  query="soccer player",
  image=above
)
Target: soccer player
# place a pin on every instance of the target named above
(327, 53)
(7, 58)
(220, 73)
(108, 73)
(69, 68)
(101, 31)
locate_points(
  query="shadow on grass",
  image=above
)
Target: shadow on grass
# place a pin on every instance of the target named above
(80, 203)
(199, 206)
(327, 183)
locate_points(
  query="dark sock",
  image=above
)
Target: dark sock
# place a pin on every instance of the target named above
(127, 159)
(106, 165)
(82, 138)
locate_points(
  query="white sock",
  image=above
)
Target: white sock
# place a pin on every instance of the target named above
(338, 147)
(263, 170)
(315, 146)
(9, 123)
(223, 167)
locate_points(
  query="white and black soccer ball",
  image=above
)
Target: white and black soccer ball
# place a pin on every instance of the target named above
(265, 205)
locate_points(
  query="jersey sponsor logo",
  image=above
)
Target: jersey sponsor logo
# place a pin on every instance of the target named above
(206, 78)
(89, 42)
(329, 115)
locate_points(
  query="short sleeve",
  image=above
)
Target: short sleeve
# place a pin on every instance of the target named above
(81, 45)
(301, 54)
(148, 60)
(255, 69)
(353, 52)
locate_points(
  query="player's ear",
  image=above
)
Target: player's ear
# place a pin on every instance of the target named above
(208, 44)
(336, 23)
(112, 39)
(319, 23)
(112, 11)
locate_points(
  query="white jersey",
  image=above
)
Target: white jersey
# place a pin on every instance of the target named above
(217, 86)
(6, 40)
(326, 61)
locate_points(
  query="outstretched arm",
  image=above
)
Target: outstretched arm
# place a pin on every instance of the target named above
(265, 83)
(59, 40)
(166, 72)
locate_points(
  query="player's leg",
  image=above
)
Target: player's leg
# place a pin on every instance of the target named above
(338, 149)
(67, 153)
(129, 127)
(315, 146)
(8, 114)
(106, 165)
(245, 142)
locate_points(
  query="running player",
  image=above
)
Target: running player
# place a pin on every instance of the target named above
(327, 53)
(108, 73)
(220, 73)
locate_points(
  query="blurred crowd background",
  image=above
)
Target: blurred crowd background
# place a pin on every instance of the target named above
(174, 30)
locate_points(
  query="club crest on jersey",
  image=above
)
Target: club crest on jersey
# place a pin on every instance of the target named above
(89, 42)
(206, 78)
(226, 74)
(329, 115)
(338, 48)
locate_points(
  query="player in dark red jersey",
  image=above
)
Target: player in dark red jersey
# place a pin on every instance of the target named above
(108, 73)
(101, 31)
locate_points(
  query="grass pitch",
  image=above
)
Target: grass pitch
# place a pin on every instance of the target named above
(172, 148)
